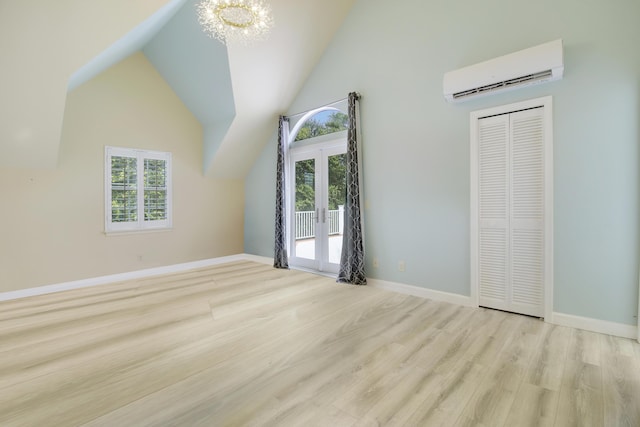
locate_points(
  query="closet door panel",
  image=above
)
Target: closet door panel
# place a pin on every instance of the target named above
(527, 211)
(493, 191)
(527, 271)
(494, 262)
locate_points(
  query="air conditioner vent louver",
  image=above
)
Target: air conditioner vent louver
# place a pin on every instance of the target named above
(518, 81)
(538, 64)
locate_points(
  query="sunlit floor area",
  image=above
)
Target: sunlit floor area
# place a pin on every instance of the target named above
(305, 248)
(244, 344)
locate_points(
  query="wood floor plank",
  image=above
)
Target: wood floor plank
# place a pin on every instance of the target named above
(403, 400)
(533, 406)
(581, 398)
(243, 344)
(327, 416)
(493, 398)
(621, 390)
(338, 375)
(496, 331)
(617, 346)
(453, 394)
(376, 385)
(585, 347)
(310, 377)
(158, 332)
(548, 361)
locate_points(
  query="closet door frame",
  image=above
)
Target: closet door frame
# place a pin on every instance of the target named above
(475, 116)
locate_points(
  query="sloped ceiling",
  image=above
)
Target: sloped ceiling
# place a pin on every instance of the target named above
(266, 77)
(236, 92)
(197, 69)
(132, 42)
(43, 43)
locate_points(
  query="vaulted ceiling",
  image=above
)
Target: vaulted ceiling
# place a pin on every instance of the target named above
(236, 92)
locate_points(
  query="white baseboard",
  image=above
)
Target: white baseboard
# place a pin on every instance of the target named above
(421, 292)
(595, 325)
(257, 258)
(95, 281)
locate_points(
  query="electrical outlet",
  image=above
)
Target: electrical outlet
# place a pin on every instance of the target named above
(401, 265)
(376, 264)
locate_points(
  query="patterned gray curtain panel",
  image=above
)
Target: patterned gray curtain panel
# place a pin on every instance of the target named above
(352, 259)
(280, 258)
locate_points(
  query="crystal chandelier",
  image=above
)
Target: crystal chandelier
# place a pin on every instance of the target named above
(236, 20)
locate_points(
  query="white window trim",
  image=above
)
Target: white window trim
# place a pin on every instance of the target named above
(140, 225)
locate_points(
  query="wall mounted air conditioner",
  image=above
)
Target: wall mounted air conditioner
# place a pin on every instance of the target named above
(538, 64)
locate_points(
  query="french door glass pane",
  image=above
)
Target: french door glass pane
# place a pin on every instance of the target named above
(337, 184)
(305, 209)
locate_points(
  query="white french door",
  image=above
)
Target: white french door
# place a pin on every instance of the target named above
(511, 205)
(316, 216)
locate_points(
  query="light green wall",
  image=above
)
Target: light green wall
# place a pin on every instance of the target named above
(260, 205)
(416, 146)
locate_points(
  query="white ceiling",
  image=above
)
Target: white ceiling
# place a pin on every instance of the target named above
(236, 92)
(135, 40)
(267, 76)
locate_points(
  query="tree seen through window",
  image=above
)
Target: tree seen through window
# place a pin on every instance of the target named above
(323, 123)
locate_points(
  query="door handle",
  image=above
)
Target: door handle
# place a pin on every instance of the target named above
(317, 215)
(324, 215)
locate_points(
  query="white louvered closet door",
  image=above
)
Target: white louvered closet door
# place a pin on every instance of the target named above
(511, 212)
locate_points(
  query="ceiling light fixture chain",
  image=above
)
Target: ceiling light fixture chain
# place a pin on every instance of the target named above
(244, 21)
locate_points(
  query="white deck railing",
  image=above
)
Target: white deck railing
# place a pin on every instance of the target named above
(305, 227)
(305, 224)
(334, 222)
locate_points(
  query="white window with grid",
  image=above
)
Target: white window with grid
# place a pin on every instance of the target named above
(137, 190)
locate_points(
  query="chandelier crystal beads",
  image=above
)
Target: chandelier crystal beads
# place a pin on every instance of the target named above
(244, 21)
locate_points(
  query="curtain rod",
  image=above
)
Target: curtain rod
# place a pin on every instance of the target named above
(322, 106)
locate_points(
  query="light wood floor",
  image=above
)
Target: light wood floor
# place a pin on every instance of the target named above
(244, 344)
